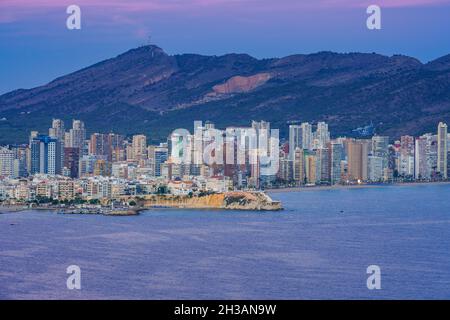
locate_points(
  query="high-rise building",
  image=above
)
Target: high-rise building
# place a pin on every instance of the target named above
(433, 154)
(262, 129)
(139, 147)
(102, 168)
(21, 153)
(307, 136)
(295, 139)
(46, 155)
(322, 135)
(255, 170)
(312, 169)
(209, 125)
(380, 148)
(6, 162)
(87, 165)
(161, 156)
(57, 130)
(406, 156)
(285, 172)
(33, 134)
(442, 151)
(448, 153)
(117, 147)
(266, 155)
(337, 155)
(299, 166)
(71, 160)
(407, 145)
(375, 168)
(422, 168)
(77, 135)
(117, 140)
(100, 145)
(357, 153)
(324, 165)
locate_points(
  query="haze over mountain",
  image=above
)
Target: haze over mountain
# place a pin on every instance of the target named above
(145, 90)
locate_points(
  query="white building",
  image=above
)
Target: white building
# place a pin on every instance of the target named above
(6, 162)
(442, 145)
(375, 170)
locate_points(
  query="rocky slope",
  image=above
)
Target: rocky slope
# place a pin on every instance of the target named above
(257, 201)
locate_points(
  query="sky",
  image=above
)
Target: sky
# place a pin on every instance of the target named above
(36, 46)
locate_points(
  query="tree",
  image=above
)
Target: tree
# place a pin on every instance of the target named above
(132, 203)
(162, 190)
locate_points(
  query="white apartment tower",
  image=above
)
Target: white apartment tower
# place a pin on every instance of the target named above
(442, 149)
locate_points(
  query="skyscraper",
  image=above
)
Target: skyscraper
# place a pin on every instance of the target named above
(263, 133)
(118, 147)
(6, 162)
(77, 135)
(324, 165)
(299, 166)
(432, 140)
(375, 168)
(21, 153)
(448, 153)
(357, 159)
(422, 169)
(306, 136)
(139, 147)
(71, 160)
(380, 148)
(46, 155)
(406, 156)
(312, 169)
(336, 157)
(295, 139)
(87, 164)
(100, 145)
(322, 135)
(286, 168)
(57, 130)
(161, 155)
(442, 150)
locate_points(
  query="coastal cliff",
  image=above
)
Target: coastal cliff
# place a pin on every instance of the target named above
(236, 200)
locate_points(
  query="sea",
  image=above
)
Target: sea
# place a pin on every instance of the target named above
(319, 247)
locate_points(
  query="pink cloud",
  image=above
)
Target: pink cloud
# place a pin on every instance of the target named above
(16, 10)
(384, 3)
(155, 5)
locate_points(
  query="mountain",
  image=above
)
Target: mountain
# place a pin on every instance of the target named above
(145, 90)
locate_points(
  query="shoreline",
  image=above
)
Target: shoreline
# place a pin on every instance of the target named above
(356, 186)
(233, 200)
(71, 211)
(135, 211)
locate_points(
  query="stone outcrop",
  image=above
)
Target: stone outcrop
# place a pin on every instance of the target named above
(237, 200)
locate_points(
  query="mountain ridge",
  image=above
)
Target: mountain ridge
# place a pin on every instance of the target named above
(146, 90)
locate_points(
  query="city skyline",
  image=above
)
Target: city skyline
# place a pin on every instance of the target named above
(231, 156)
(310, 156)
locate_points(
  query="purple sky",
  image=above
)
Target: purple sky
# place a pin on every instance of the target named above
(35, 45)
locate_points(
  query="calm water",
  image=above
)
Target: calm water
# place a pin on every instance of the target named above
(310, 251)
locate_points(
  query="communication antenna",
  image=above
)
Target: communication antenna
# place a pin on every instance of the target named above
(147, 42)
